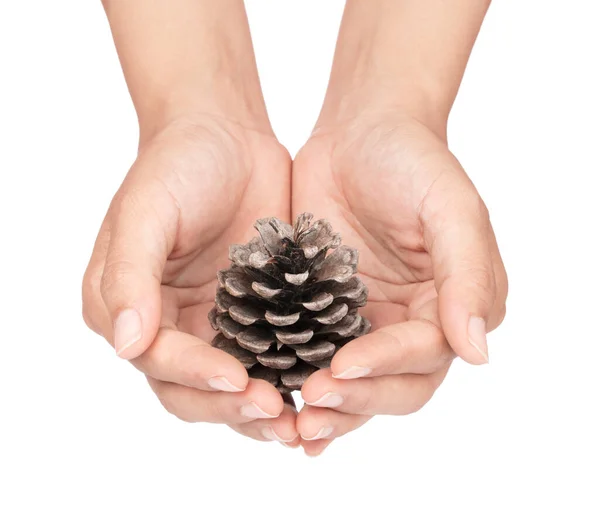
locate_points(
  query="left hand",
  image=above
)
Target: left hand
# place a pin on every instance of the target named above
(428, 254)
(195, 189)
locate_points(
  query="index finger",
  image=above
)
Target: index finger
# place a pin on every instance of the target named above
(416, 346)
(184, 359)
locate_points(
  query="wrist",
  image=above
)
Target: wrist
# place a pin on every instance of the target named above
(188, 57)
(218, 98)
(405, 55)
(379, 99)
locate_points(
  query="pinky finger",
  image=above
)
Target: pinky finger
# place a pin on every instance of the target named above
(318, 426)
(316, 447)
(282, 429)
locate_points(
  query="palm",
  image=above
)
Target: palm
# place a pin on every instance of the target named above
(365, 182)
(217, 179)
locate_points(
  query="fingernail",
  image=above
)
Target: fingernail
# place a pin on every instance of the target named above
(353, 372)
(324, 432)
(269, 433)
(476, 331)
(329, 400)
(128, 330)
(291, 406)
(220, 383)
(253, 411)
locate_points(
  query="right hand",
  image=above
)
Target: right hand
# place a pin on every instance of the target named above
(196, 187)
(428, 255)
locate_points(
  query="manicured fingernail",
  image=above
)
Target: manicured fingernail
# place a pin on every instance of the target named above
(353, 372)
(476, 331)
(269, 433)
(324, 432)
(253, 411)
(220, 383)
(128, 331)
(329, 400)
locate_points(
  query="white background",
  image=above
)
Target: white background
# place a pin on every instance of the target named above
(80, 428)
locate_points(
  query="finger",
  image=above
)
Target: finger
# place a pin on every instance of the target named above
(417, 346)
(260, 400)
(317, 423)
(144, 224)
(318, 427)
(456, 227)
(390, 394)
(499, 308)
(282, 429)
(184, 359)
(94, 311)
(316, 447)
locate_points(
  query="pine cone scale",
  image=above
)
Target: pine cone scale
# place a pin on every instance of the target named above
(277, 360)
(281, 320)
(319, 302)
(294, 337)
(232, 348)
(256, 340)
(332, 314)
(317, 351)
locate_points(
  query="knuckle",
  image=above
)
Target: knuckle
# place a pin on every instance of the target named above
(89, 322)
(172, 404)
(483, 282)
(419, 404)
(86, 312)
(502, 314)
(399, 348)
(89, 293)
(364, 402)
(482, 210)
(127, 202)
(440, 349)
(502, 283)
(114, 274)
(87, 286)
(157, 358)
(165, 400)
(216, 410)
(482, 278)
(190, 372)
(474, 205)
(437, 345)
(422, 397)
(184, 418)
(413, 393)
(497, 317)
(168, 404)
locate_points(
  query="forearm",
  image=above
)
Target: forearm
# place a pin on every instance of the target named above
(183, 57)
(406, 54)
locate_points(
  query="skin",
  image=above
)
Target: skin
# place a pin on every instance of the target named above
(381, 184)
(206, 169)
(377, 167)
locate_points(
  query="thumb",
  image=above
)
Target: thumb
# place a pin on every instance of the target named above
(456, 229)
(143, 226)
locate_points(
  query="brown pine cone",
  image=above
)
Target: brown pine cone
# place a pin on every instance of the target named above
(289, 301)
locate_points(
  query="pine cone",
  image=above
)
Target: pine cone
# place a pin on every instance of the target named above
(285, 305)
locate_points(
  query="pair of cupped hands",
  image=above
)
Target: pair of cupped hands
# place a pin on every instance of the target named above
(387, 184)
